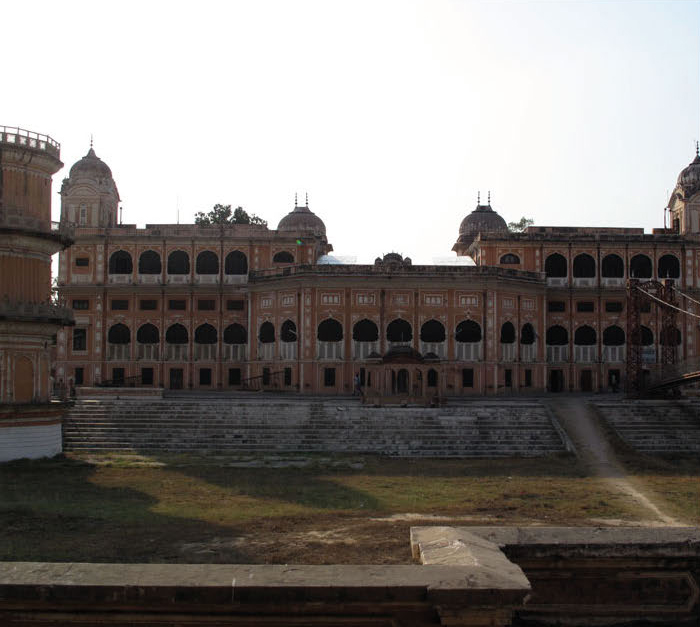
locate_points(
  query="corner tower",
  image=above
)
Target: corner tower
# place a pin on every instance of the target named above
(30, 425)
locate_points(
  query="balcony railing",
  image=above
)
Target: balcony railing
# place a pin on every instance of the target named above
(614, 353)
(177, 279)
(122, 279)
(149, 278)
(29, 139)
(288, 351)
(362, 350)
(266, 351)
(206, 279)
(205, 352)
(235, 352)
(176, 352)
(468, 351)
(235, 279)
(118, 352)
(557, 281)
(580, 281)
(329, 350)
(507, 351)
(557, 354)
(609, 281)
(437, 348)
(81, 278)
(149, 352)
(47, 310)
(585, 354)
(528, 352)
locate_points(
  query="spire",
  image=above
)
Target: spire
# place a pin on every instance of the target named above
(90, 140)
(296, 203)
(489, 201)
(697, 149)
(307, 200)
(478, 198)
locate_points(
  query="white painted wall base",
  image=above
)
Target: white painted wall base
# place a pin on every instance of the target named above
(32, 442)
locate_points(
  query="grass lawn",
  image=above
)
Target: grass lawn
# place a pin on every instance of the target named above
(334, 510)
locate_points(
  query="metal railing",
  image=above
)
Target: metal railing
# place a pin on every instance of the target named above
(29, 139)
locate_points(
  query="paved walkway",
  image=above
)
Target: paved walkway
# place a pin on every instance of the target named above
(592, 447)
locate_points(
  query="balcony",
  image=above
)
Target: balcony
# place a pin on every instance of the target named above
(288, 351)
(176, 352)
(615, 353)
(557, 281)
(557, 354)
(585, 354)
(584, 281)
(149, 279)
(609, 281)
(266, 351)
(235, 279)
(468, 351)
(235, 352)
(206, 279)
(205, 352)
(362, 350)
(118, 352)
(507, 351)
(329, 350)
(437, 348)
(177, 279)
(148, 352)
(28, 139)
(528, 352)
(119, 279)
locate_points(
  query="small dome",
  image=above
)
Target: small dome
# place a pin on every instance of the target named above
(302, 220)
(91, 165)
(689, 178)
(482, 220)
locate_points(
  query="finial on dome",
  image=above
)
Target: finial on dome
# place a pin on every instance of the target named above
(489, 201)
(478, 198)
(307, 200)
(296, 202)
(697, 149)
(90, 140)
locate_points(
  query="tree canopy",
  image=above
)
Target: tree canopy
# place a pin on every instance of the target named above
(520, 225)
(222, 214)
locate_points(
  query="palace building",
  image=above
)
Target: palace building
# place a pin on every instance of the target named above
(228, 307)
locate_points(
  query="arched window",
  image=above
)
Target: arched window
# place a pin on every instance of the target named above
(468, 331)
(671, 337)
(555, 266)
(557, 336)
(119, 334)
(647, 336)
(120, 263)
(178, 262)
(510, 258)
(148, 334)
(399, 331)
(207, 263)
(283, 257)
(288, 332)
(507, 333)
(176, 334)
(613, 336)
(527, 334)
(432, 331)
(236, 263)
(149, 262)
(235, 334)
(330, 331)
(205, 334)
(432, 378)
(669, 267)
(584, 266)
(640, 267)
(365, 331)
(613, 267)
(585, 336)
(267, 333)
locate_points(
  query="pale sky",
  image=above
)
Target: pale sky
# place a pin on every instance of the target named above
(390, 114)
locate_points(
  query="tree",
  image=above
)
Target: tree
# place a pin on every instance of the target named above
(520, 225)
(222, 214)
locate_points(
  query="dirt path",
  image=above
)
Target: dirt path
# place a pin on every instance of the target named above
(594, 450)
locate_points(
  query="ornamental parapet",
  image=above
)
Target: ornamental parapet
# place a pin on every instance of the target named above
(341, 270)
(22, 138)
(35, 312)
(16, 219)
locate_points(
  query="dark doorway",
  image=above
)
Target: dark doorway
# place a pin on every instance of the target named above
(586, 380)
(402, 381)
(556, 380)
(176, 378)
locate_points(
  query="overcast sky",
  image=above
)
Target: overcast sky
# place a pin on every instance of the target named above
(390, 114)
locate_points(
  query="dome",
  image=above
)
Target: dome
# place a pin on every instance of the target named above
(91, 165)
(302, 220)
(482, 220)
(689, 178)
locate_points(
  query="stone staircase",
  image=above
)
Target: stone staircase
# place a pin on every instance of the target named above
(655, 426)
(233, 425)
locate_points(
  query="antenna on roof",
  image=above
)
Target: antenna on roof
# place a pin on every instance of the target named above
(177, 207)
